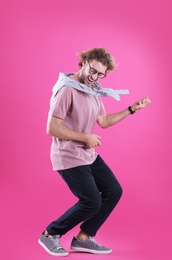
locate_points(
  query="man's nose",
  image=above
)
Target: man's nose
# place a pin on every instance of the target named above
(94, 76)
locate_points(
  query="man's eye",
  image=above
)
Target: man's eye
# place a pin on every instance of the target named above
(93, 71)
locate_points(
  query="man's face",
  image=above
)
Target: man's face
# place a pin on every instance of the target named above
(92, 71)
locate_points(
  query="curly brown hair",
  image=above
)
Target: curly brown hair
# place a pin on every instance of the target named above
(100, 55)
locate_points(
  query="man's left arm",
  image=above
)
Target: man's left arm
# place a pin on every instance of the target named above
(105, 121)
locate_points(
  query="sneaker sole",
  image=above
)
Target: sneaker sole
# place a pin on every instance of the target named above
(87, 250)
(51, 253)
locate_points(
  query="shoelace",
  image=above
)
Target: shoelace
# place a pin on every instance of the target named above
(92, 240)
(56, 242)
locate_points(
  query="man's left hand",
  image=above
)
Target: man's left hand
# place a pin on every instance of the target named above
(141, 104)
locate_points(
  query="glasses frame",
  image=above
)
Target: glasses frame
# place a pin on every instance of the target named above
(93, 71)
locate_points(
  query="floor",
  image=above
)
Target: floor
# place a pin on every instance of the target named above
(127, 244)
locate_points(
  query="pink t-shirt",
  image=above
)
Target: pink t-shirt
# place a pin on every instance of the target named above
(79, 111)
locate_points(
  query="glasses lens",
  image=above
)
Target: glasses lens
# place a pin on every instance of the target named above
(101, 75)
(93, 71)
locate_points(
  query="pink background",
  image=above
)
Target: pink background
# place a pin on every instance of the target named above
(38, 40)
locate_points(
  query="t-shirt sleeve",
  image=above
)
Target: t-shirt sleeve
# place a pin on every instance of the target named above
(61, 103)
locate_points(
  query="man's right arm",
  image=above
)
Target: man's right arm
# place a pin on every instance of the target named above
(56, 128)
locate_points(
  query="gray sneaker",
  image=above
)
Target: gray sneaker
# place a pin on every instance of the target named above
(89, 246)
(52, 245)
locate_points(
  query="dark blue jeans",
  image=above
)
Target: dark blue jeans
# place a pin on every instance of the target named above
(98, 192)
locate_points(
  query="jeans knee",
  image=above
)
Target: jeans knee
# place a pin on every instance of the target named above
(117, 193)
(120, 191)
(114, 194)
(91, 205)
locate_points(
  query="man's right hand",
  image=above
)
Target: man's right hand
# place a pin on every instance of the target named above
(92, 140)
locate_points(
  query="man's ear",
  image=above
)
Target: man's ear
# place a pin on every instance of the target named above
(84, 62)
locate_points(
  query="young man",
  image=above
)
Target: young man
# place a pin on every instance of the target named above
(75, 107)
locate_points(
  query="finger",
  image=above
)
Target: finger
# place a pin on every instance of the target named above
(98, 143)
(148, 100)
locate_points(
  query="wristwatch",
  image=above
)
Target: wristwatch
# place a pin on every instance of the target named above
(130, 110)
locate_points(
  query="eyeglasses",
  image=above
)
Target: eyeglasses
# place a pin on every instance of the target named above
(92, 71)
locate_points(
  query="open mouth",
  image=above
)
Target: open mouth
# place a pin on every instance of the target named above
(90, 80)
